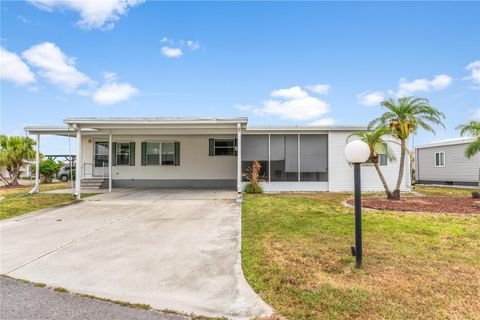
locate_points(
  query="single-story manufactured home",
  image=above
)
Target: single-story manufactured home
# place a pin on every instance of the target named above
(444, 162)
(215, 152)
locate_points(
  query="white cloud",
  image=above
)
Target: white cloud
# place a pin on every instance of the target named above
(319, 88)
(293, 109)
(24, 19)
(290, 93)
(100, 14)
(112, 92)
(406, 88)
(369, 98)
(13, 69)
(56, 66)
(171, 52)
(474, 68)
(193, 45)
(323, 122)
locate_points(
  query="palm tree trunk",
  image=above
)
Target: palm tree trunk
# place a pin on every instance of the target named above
(382, 178)
(401, 170)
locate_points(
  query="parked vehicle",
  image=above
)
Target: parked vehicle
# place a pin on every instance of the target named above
(64, 173)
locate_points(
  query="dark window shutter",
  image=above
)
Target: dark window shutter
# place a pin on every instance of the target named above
(114, 153)
(132, 153)
(211, 147)
(177, 153)
(144, 154)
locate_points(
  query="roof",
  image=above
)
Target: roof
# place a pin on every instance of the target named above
(446, 142)
(156, 120)
(91, 124)
(306, 128)
(54, 130)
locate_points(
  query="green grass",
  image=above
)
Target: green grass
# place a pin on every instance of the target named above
(296, 255)
(16, 201)
(444, 191)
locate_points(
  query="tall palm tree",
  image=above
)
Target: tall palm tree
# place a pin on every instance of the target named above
(404, 117)
(472, 129)
(376, 143)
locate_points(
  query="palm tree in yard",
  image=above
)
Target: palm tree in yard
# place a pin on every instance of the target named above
(472, 129)
(13, 153)
(405, 116)
(377, 144)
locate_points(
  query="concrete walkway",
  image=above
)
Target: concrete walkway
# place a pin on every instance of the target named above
(171, 249)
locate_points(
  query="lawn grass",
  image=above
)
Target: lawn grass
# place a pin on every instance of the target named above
(16, 201)
(444, 191)
(296, 255)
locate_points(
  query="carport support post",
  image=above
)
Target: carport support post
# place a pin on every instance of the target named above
(110, 162)
(78, 169)
(239, 163)
(36, 188)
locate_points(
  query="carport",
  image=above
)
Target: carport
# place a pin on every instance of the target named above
(154, 152)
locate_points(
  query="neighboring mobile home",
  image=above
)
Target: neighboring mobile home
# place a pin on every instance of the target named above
(444, 162)
(215, 152)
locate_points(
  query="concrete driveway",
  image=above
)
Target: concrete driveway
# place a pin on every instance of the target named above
(171, 249)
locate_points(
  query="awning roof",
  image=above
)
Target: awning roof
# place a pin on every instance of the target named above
(174, 125)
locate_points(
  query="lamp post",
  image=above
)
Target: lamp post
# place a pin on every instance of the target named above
(357, 152)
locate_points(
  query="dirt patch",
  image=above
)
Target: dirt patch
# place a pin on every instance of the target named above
(424, 204)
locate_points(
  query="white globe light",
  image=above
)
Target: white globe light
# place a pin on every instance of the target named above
(357, 151)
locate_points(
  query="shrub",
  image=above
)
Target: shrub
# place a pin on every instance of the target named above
(253, 177)
(476, 195)
(49, 169)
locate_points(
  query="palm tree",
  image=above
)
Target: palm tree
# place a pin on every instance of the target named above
(376, 142)
(404, 117)
(472, 129)
(13, 153)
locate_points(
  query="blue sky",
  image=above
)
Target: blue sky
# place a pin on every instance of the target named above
(275, 62)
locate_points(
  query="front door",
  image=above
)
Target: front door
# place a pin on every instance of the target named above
(100, 159)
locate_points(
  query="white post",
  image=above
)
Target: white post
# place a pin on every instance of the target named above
(239, 163)
(36, 188)
(110, 162)
(78, 169)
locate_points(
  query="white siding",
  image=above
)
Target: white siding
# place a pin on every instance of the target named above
(340, 173)
(195, 163)
(457, 167)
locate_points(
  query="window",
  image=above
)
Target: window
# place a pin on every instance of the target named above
(284, 157)
(222, 147)
(123, 153)
(101, 155)
(440, 159)
(153, 153)
(160, 153)
(382, 156)
(168, 154)
(255, 147)
(313, 157)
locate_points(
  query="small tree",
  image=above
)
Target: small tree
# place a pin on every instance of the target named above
(473, 129)
(253, 177)
(14, 151)
(404, 117)
(376, 143)
(48, 169)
